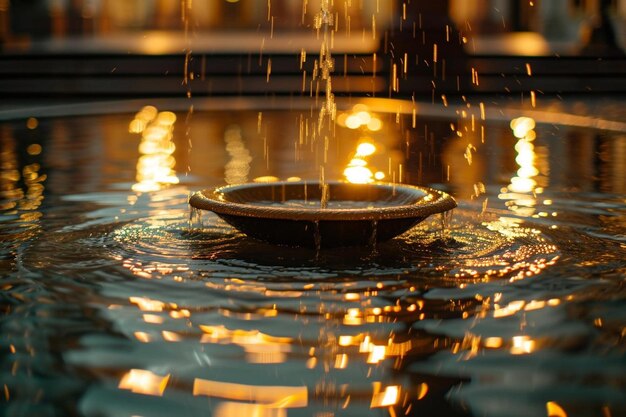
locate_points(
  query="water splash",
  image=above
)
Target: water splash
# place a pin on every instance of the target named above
(446, 220)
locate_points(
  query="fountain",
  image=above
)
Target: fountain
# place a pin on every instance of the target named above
(115, 302)
(323, 214)
(292, 213)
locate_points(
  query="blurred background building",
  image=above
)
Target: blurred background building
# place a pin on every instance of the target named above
(559, 20)
(382, 48)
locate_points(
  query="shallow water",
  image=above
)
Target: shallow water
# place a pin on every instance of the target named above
(116, 302)
(331, 204)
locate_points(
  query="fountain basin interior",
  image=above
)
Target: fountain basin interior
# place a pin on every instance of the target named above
(291, 213)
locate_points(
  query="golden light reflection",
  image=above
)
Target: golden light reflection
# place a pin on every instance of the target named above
(519, 264)
(341, 361)
(21, 187)
(522, 190)
(524, 181)
(521, 126)
(358, 174)
(352, 296)
(422, 390)
(365, 149)
(143, 337)
(553, 409)
(231, 408)
(142, 119)
(259, 347)
(155, 166)
(147, 304)
(520, 305)
(268, 396)
(348, 340)
(360, 117)
(385, 398)
(522, 345)
(266, 178)
(238, 167)
(144, 382)
(153, 319)
(357, 171)
(34, 149)
(169, 336)
(32, 123)
(493, 342)
(375, 352)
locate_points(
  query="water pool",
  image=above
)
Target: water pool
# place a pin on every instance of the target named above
(117, 302)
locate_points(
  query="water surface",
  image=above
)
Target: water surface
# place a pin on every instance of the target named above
(116, 303)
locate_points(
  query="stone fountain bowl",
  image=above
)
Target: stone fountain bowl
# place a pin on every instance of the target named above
(291, 213)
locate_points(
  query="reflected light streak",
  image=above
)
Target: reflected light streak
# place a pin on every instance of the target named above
(358, 174)
(365, 149)
(376, 353)
(521, 126)
(385, 398)
(266, 178)
(155, 166)
(555, 410)
(143, 337)
(21, 190)
(259, 347)
(520, 305)
(269, 396)
(144, 382)
(422, 390)
(237, 169)
(357, 171)
(522, 345)
(493, 342)
(169, 336)
(147, 304)
(231, 408)
(524, 183)
(153, 319)
(341, 361)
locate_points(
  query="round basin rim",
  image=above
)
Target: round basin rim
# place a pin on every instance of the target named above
(213, 200)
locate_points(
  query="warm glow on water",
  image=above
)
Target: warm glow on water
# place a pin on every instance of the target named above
(358, 171)
(155, 167)
(522, 345)
(521, 126)
(266, 178)
(259, 347)
(269, 396)
(553, 409)
(144, 382)
(365, 149)
(146, 304)
(524, 184)
(159, 307)
(358, 174)
(387, 397)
